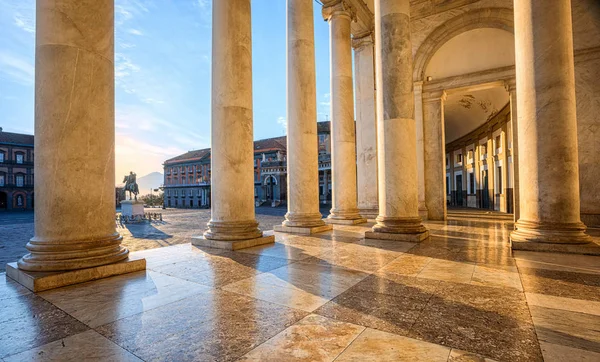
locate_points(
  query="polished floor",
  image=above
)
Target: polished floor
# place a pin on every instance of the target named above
(459, 296)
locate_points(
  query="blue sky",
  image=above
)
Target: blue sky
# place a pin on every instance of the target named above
(162, 75)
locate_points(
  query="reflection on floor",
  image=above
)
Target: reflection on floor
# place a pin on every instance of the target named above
(460, 296)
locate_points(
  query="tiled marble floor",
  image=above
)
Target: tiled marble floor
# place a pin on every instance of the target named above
(459, 296)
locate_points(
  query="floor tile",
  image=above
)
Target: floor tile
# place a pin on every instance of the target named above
(457, 355)
(420, 290)
(561, 283)
(285, 251)
(407, 264)
(497, 277)
(314, 338)
(560, 262)
(373, 345)
(572, 329)
(568, 304)
(451, 271)
(84, 346)
(29, 321)
(11, 289)
(301, 286)
(104, 301)
(219, 270)
(386, 312)
(559, 353)
(211, 326)
(493, 322)
(173, 254)
(357, 257)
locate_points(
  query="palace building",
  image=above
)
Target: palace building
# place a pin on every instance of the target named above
(187, 177)
(16, 171)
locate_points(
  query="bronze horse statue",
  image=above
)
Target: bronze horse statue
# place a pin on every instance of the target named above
(130, 185)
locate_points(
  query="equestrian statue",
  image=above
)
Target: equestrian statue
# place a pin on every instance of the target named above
(130, 185)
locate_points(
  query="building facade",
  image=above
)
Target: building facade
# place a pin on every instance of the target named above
(479, 166)
(16, 171)
(187, 177)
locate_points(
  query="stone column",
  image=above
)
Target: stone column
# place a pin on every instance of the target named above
(435, 155)
(547, 128)
(233, 224)
(343, 141)
(511, 87)
(303, 214)
(396, 129)
(366, 126)
(418, 90)
(74, 131)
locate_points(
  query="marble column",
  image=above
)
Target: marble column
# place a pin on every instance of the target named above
(511, 87)
(233, 224)
(343, 141)
(396, 128)
(303, 214)
(75, 143)
(435, 155)
(547, 129)
(366, 126)
(418, 91)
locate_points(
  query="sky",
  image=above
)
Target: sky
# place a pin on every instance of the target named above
(162, 75)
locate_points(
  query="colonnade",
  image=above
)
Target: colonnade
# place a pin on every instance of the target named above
(75, 231)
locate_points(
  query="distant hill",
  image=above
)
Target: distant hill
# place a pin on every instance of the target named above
(152, 180)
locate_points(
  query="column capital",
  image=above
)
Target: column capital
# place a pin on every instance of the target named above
(334, 8)
(363, 40)
(434, 96)
(510, 85)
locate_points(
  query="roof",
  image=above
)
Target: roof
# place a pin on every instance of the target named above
(271, 144)
(16, 138)
(195, 155)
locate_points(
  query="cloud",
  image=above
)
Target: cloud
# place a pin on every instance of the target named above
(135, 32)
(26, 23)
(283, 122)
(17, 68)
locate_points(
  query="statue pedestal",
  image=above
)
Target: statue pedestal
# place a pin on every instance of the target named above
(132, 208)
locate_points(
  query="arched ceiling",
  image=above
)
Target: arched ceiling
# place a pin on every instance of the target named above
(466, 111)
(472, 51)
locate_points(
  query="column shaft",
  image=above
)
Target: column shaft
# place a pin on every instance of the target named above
(396, 128)
(74, 138)
(366, 126)
(512, 89)
(232, 168)
(418, 91)
(435, 156)
(302, 145)
(343, 139)
(547, 126)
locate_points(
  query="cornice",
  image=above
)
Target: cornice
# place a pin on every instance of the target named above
(334, 8)
(367, 40)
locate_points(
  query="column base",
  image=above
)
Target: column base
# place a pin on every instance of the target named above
(561, 238)
(302, 230)
(232, 244)
(370, 213)
(40, 281)
(415, 238)
(357, 221)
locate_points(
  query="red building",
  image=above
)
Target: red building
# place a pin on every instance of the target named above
(16, 171)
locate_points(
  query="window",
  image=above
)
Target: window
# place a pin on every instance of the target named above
(447, 184)
(499, 179)
(472, 183)
(498, 142)
(19, 158)
(459, 158)
(176, 193)
(191, 192)
(1, 180)
(1, 156)
(19, 180)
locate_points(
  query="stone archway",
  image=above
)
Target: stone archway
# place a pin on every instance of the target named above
(498, 18)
